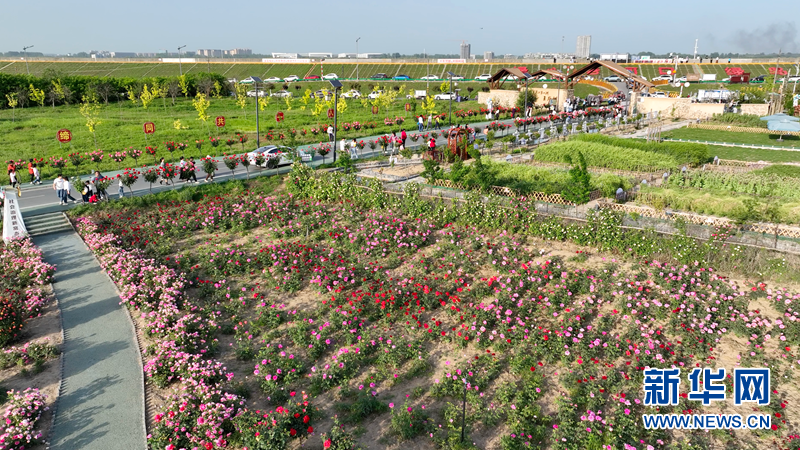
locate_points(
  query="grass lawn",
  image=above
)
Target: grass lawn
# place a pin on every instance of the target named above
(752, 154)
(733, 137)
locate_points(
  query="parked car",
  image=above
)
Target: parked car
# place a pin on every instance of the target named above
(261, 93)
(402, 77)
(429, 77)
(457, 77)
(374, 94)
(380, 76)
(612, 79)
(449, 96)
(291, 78)
(282, 93)
(680, 79)
(330, 76)
(320, 94)
(483, 77)
(793, 79)
(352, 93)
(662, 78)
(726, 80)
(659, 94)
(758, 79)
(272, 80)
(311, 77)
(270, 152)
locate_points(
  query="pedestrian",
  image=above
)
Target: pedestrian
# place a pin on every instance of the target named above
(121, 190)
(86, 191)
(11, 166)
(99, 177)
(68, 191)
(209, 175)
(403, 137)
(58, 186)
(191, 168)
(30, 169)
(354, 147)
(161, 166)
(393, 141)
(36, 177)
(182, 169)
(13, 177)
(343, 146)
(330, 133)
(430, 119)
(432, 145)
(419, 123)
(438, 125)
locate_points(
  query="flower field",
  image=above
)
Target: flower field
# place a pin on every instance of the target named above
(332, 316)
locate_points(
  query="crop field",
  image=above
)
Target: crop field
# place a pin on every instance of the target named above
(366, 69)
(342, 317)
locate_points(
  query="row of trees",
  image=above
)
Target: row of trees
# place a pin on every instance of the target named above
(55, 88)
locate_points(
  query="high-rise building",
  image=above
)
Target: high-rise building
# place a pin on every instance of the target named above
(584, 48)
(464, 50)
(488, 56)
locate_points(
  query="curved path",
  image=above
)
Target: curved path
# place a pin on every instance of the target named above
(101, 404)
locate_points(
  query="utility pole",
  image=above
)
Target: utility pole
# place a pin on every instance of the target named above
(179, 59)
(25, 50)
(357, 57)
(695, 48)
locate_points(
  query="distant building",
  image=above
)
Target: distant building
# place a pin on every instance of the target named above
(488, 56)
(616, 57)
(583, 49)
(238, 52)
(465, 50)
(280, 55)
(122, 54)
(320, 55)
(209, 53)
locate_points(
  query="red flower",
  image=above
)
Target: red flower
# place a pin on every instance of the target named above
(310, 429)
(327, 444)
(306, 419)
(293, 432)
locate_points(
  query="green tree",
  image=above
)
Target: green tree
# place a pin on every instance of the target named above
(521, 99)
(183, 82)
(241, 97)
(148, 95)
(37, 95)
(579, 187)
(12, 103)
(201, 105)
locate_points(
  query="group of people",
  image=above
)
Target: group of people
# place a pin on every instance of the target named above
(33, 172)
(431, 121)
(91, 192)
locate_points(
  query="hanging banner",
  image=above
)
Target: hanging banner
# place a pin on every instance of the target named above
(279, 116)
(220, 121)
(330, 113)
(13, 227)
(64, 135)
(149, 128)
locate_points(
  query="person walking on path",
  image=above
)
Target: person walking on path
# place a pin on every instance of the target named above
(419, 123)
(403, 137)
(98, 177)
(121, 188)
(68, 191)
(430, 119)
(330, 133)
(161, 166)
(30, 169)
(13, 177)
(438, 125)
(58, 186)
(36, 178)
(191, 177)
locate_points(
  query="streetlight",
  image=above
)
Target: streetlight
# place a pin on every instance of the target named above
(179, 59)
(357, 58)
(256, 80)
(450, 94)
(525, 110)
(25, 50)
(337, 85)
(427, 71)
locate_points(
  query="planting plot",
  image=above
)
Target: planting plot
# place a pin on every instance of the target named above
(387, 311)
(733, 137)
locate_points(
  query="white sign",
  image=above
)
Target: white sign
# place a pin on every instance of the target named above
(285, 60)
(451, 61)
(13, 227)
(180, 60)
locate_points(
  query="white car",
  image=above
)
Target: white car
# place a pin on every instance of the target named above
(659, 94)
(269, 152)
(457, 77)
(612, 79)
(352, 94)
(681, 80)
(450, 96)
(662, 78)
(330, 76)
(272, 80)
(794, 79)
(429, 77)
(291, 78)
(483, 77)
(374, 94)
(261, 93)
(282, 93)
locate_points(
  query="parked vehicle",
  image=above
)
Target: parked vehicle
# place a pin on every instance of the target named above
(291, 78)
(380, 76)
(449, 96)
(613, 79)
(272, 80)
(311, 77)
(659, 94)
(758, 79)
(374, 94)
(420, 94)
(429, 77)
(261, 93)
(269, 152)
(662, 78)
(282, 93)
(330, 76)
(457, 78)
(402, 77)
(483, 77)
(709, 77)
(352, 94)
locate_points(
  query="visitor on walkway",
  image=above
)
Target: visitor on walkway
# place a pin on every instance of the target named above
(161, 166)
(98, 189)
(330, 133)
(191, 168)
(343, 146)
(121, 190)
(86, 192)
(68, 191)
(13, 176)
(419, 123)
(432, 145)
(438, 125)
(403, 137)
(58, 186)
(36, 178)
(430, 119)
(30, 169)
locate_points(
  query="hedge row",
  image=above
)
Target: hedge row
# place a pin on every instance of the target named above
(682, 152)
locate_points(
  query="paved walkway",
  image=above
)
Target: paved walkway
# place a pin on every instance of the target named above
(102, 400)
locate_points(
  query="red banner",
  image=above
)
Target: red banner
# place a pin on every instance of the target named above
(149, 128)
(64, 135)
(330, 113)
(279, 116)
(408, 106)
(374, 110)
(220, 121)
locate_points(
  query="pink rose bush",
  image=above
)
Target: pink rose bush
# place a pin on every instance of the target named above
(23, 412)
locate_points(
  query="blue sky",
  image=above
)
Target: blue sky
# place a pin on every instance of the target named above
(405, 27)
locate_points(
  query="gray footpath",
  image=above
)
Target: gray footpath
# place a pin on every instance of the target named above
(101, 405)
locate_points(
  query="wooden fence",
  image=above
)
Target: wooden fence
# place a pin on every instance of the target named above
(508, 192)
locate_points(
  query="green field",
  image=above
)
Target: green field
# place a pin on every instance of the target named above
(241, 70)
(733, 137)
(751, 154)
